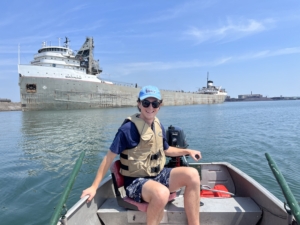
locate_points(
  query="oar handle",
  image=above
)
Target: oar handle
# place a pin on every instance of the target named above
(291, 201)
(68, 188)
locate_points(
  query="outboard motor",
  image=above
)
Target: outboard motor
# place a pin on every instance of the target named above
(176, 138)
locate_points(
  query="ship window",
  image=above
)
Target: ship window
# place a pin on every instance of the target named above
(31, 88)
(54, 65)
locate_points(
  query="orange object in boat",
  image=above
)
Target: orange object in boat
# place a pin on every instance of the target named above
(212, 194)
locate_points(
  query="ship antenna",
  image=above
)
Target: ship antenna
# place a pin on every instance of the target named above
(19, 54)
(59, 41)
(207, 79)
(67, 42)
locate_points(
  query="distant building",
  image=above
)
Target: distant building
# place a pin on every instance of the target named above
(250, 96)
(5, 100)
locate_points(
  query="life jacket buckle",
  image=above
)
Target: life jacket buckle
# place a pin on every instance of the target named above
(155, 169)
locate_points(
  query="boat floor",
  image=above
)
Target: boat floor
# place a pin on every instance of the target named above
(223, 211)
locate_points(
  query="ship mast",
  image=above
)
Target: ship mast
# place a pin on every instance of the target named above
(18, 54)
(207, 79)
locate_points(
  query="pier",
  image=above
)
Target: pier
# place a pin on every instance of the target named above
(10, 106)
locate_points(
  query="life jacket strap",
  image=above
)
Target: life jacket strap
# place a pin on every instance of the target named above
(153, 169)
(153, 157)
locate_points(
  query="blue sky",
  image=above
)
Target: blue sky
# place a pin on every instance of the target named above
(244, 45)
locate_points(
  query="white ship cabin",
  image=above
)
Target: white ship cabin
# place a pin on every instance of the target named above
(57, 56)
(211, 89)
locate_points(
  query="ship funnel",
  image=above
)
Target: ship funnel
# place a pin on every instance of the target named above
(210, 83)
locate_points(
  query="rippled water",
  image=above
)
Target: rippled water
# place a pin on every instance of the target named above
(38, 149)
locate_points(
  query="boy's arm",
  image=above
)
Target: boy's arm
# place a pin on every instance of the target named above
(103, 168)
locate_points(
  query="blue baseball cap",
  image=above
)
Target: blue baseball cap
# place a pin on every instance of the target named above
(149, 91)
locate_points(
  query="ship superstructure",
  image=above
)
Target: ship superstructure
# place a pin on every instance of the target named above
(210, 89)
(60, 78)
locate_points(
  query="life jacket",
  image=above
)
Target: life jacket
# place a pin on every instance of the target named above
(148, 157)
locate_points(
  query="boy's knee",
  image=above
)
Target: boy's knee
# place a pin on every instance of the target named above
(160, 197)
(163, 194)
(194, 176)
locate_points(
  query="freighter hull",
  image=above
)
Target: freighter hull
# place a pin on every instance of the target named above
(60, 94)
(57, 79)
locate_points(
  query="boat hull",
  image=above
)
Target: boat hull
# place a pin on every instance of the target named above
(252, 203)
(65, 93)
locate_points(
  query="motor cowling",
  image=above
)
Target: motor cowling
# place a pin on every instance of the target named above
(176, 138)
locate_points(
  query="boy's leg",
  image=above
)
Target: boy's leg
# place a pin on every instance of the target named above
(188, 177)
(157, 195)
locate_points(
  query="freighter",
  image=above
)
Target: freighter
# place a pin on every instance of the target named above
(58, 78)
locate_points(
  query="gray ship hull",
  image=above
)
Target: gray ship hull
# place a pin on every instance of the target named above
(60, 94)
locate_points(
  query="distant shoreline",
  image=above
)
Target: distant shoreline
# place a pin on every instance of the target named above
(10, 106)
(16, 106)
(260, 99)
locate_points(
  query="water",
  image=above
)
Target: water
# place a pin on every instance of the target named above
(38, 150)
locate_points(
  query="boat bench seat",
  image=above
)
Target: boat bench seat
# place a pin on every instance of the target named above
(217, 211)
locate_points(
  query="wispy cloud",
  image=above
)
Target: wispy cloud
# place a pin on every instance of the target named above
(177, 11)
(77, 8)
(10, 19)
(6, 74)
(130, 68)
(268, 53)
(232, 30)
(9, 62)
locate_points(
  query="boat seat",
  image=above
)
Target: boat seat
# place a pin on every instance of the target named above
(126, 202)
(216, 211)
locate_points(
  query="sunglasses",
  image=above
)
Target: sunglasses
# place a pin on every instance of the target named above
(146, 104)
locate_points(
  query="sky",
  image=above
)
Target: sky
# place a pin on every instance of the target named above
(245, 46)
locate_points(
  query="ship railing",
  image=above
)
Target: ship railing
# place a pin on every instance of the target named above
(118, 83)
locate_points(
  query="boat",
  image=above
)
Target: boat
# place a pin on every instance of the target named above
(60, 78)
(210, 89)
(228, 196)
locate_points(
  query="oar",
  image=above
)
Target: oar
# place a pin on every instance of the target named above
(64, 197)
(291, 201)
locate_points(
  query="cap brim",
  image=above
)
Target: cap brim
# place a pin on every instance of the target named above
(150, 96)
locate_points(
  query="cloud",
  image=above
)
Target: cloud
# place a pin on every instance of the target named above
(77, 8)
(267, 54)
(6, 74)
(8, 20)
(177, 11)
(9, 62)
(129, 68)
(230, 31)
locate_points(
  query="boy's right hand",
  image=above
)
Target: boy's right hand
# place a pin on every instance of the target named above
(91, 191)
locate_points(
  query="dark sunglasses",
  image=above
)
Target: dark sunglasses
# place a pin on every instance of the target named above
(146, 104)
